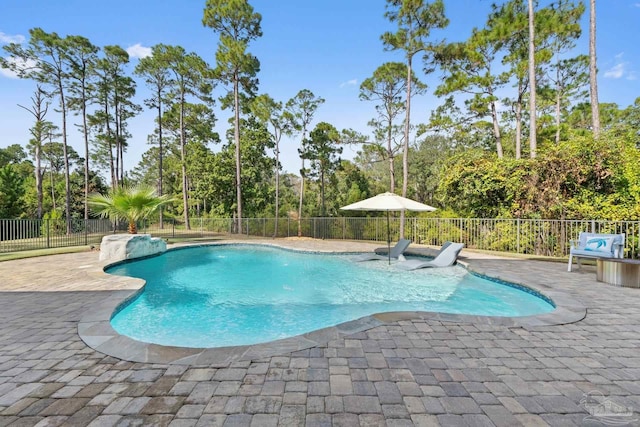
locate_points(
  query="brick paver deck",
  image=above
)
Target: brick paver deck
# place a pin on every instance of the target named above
(424, 371)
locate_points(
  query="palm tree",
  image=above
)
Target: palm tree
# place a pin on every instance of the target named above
(132, 203)
(593, 71)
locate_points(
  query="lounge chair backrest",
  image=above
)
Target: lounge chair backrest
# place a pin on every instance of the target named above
(400, 247)
(448, 256)
(444, 246)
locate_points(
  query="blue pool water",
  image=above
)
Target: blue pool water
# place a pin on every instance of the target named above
(214, 296)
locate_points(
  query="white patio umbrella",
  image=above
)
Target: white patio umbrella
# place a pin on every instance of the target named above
(388, 202)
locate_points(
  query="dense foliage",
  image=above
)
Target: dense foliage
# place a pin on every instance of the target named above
(132, 204)
(578, 178)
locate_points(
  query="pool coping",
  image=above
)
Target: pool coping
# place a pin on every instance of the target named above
(94, 327)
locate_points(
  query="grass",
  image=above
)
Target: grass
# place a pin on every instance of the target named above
(7, 256)
(59, 240)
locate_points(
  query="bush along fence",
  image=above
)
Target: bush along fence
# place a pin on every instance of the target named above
(523, 236)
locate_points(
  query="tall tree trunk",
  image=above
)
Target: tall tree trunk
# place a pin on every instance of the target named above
(496, 129)
(109, 143)
(117, 138)
(392, 172)
(532, 84)
(121, 143)
(39, 112)
(304, 135)
(121, 155)
(67, 181)
(85, 132)
(518, 136)
(236, 135)
(38, 172)
(405, 147)
(183, 155)
(518, 118)
(559, 90)
(275, 228)
(301, 196)
(593, 71)
(160, 156)
(114, 178)
(322, 192)
(53, 188)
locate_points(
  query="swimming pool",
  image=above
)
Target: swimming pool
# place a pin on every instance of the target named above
(226, 295)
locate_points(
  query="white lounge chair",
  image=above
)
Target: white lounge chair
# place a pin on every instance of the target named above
(447, 257)
(395, 252)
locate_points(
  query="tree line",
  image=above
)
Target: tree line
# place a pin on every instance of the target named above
(516, 77)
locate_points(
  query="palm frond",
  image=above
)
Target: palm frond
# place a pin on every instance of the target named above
(132, 203)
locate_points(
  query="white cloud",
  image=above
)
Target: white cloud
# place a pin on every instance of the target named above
(20, 64)
(620, 69)
(8, 73)
(7, 38)
(138, 51)
(615, 72)
(351, 82)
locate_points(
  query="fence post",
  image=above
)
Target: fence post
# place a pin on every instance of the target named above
(344, 228)
(314, 228)
(86, 231)
(518, 236)
(48, 234)
(264, 227)
(593, 225)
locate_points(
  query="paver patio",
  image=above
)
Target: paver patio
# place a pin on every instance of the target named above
(418, 371)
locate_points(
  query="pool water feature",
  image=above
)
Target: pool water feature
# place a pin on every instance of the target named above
(228, 295)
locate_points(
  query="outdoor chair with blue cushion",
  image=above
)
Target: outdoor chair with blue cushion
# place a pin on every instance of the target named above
(395, 252)
(447, 257)
(595, 245)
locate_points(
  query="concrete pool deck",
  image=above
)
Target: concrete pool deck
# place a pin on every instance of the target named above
(404, 370)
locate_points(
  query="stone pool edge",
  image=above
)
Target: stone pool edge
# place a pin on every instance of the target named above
(94, 327)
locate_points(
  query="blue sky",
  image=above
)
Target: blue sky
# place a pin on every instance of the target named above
(327, 46)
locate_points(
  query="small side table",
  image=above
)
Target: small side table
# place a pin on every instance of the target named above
(618, 271)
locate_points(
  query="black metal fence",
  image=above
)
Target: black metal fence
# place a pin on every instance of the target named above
(533, 237)
(28, 234)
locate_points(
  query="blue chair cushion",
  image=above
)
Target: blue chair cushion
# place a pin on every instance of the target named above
(599, 244)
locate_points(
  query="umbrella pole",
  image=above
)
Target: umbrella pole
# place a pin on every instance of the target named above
(388, 239)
